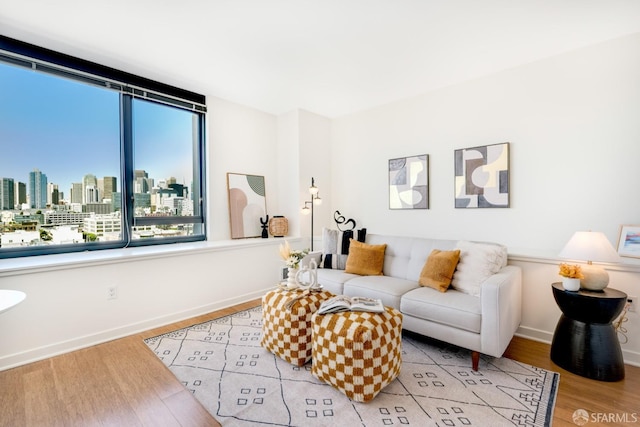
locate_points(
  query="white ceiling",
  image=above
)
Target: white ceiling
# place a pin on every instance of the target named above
(331, 57)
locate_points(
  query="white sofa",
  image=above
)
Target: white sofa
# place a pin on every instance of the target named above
(483, 324)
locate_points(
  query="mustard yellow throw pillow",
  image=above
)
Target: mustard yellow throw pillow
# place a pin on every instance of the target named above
(439, 268)
(365, 259)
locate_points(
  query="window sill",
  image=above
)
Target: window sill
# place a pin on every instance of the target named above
(25, 265)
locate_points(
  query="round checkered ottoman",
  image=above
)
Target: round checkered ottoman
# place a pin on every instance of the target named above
(286, 322)
(359, 353)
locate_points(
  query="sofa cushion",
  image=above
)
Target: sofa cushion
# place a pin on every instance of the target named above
(438, 270)
(452, 308)
(365, 259)
(388, 289)
(405, 256)
(478, 261)
(335, 246)
(334, 280)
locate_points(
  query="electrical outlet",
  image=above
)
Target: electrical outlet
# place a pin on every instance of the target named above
(112, 292)
(633, 303)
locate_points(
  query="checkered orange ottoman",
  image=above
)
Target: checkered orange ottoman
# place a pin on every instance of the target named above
(286, 322)
(358, 353)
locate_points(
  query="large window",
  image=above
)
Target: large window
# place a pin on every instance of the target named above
(94, 158)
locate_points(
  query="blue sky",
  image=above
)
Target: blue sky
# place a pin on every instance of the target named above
(68, 129)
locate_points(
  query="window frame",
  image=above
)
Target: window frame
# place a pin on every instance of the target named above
(130, 87)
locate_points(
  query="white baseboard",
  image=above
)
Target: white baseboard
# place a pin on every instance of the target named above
(55, 349)
(535, 334)
(630, 357)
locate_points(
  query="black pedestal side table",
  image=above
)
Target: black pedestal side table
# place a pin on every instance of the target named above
(585, 341)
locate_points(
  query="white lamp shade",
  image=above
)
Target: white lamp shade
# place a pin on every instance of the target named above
(589, 246)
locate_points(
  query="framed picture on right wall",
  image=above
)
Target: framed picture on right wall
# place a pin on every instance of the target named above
(482, 176)
(629, 241)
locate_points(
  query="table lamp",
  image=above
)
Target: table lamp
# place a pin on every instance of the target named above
(591, 246)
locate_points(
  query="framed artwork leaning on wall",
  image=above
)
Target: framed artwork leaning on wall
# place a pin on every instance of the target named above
(247, 204)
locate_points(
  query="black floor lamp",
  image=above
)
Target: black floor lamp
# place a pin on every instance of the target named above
(315, 200)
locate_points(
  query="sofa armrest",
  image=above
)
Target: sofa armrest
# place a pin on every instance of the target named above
(501, 305)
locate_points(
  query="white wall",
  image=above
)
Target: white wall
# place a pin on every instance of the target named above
(315, 161)
(289, 169)
(67, 308)
(572, 121)
(304, 141)
(239, 140)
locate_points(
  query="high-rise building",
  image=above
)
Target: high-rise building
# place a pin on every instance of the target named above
(179, 189)
(37, 189)
(110, 185)
(21, 193)
(139, 173)
(116, 201)
(76, 192)
(52, 194)
(7, 193)
(91, 194)
(89, 180)
(101, 187)
(142, 200)
(141, 185)
(55, 196)
(142, 182)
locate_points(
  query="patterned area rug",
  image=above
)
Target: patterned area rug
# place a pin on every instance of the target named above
(242, 384)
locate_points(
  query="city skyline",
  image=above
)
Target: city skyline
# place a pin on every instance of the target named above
(67, 195)
(68, 129)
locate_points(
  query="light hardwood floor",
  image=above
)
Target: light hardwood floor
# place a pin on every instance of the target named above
(122, 383)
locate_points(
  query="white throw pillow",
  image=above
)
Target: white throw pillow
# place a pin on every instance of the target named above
(478, 262)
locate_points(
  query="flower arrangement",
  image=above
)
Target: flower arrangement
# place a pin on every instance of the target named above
(571, 271)
(291, 257)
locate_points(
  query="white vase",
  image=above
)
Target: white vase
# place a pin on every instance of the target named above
(571, 284)
(312, 272)
(291, 278)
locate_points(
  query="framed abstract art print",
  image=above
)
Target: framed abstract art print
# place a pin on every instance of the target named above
(482, 176)
(247, 204)
(409, 182)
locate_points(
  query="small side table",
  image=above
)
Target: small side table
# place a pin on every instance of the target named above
(585, 341)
